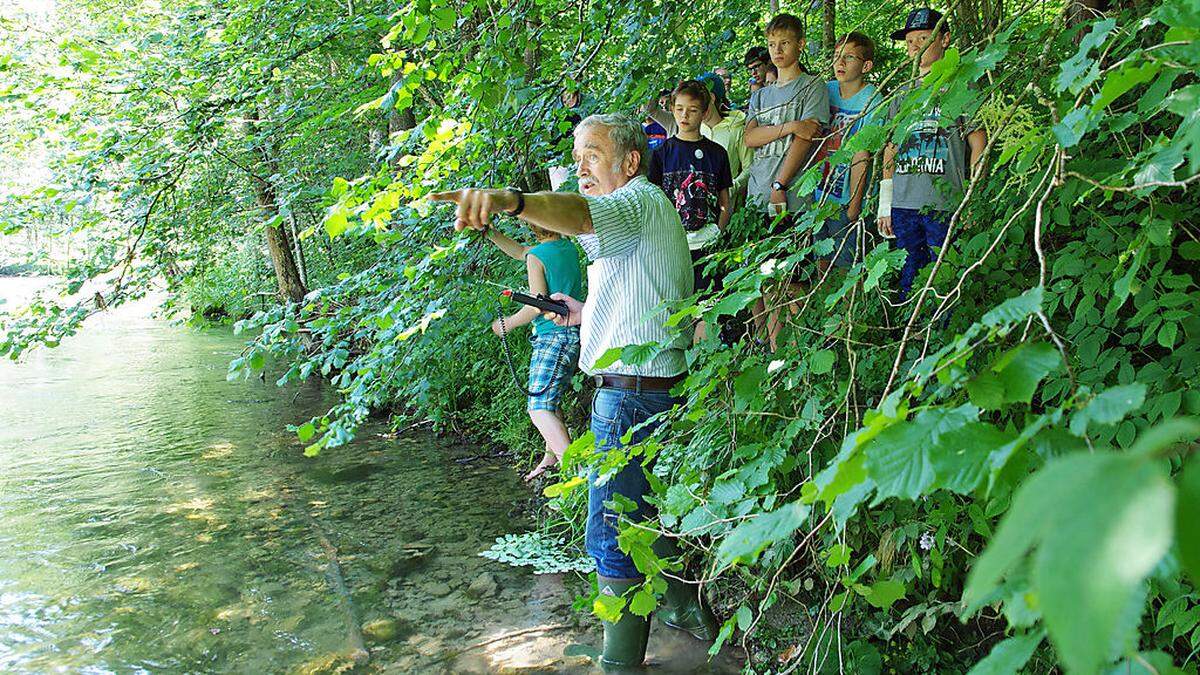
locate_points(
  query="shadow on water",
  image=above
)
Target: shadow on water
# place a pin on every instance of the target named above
(154, 517)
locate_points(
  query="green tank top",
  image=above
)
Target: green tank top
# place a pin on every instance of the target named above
(560, 259)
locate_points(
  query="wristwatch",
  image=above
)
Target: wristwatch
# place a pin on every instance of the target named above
(520, 201)
(778, 186)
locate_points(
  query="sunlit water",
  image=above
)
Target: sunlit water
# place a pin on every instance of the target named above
(156, 518)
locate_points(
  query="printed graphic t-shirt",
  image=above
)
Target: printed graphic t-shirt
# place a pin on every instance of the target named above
(803, 98)
(931, 162)
(693, 173)
(846, 118)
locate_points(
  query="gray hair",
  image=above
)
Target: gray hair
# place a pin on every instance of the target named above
(626, 134)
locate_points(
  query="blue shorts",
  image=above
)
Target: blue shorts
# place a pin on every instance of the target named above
(551, 366)
(918, 234)
(614, 412)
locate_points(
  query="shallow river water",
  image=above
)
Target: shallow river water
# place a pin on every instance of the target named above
(156, 518)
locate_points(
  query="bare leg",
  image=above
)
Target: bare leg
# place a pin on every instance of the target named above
(701, 332)
(557, 439)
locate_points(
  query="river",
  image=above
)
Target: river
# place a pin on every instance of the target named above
(156, 518)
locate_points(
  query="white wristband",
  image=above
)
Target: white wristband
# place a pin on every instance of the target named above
(885, 198)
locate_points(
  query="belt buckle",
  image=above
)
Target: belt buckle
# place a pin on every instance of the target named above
(598, 378)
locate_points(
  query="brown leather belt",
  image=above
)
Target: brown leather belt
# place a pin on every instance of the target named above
(637, 382)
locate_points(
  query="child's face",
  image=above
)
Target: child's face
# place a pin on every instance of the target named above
(915, 41)
(785, 47)
(849, 64)
(688, 112)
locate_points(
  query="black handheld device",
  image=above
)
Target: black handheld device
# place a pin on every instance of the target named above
(540, 301)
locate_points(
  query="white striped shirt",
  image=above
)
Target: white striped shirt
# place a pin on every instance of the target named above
(640, 260)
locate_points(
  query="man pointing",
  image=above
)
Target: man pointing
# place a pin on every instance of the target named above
(639, 260)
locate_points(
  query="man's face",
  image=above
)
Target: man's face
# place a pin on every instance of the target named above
(785, 47)
(848, 63)
(688, 112)
(570, 99)
(598, 167)
(915, 41)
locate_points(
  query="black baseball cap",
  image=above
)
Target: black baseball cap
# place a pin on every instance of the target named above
(922, 18)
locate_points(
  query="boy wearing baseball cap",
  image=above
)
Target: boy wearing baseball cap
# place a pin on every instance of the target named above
(923, 177)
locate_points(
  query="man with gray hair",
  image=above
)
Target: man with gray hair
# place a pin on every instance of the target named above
(639, 257)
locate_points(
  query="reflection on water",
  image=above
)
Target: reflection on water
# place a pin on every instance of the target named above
(154, 517)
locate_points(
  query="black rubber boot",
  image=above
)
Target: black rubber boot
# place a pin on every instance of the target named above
(684, 606)
(625, 640)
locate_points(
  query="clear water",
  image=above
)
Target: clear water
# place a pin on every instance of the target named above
(156, 518)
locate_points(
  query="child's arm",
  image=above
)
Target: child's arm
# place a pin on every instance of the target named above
(726, 211)
(793, 161)
(888, 170)
(977, 141)
(858, 183)
(757, 136)
(536, 275)
(511, 248)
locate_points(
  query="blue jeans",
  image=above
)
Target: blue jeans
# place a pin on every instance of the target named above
(918, 234)
(615, 411)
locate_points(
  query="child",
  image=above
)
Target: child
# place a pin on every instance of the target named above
(694, 172)
(853, 104)
(781, 123)
(923, 178)
(656, 132)
(552, 266)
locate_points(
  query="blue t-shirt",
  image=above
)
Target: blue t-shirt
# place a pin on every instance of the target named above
(835, 183)
(692, 173)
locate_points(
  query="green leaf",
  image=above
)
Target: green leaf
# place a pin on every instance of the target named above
(1122, 80)
(1109, 407)
(748, 539)
(642, 603)
(1014, 376)
(1008, 657)
(1147, 663)
(1014, 309)
(899, 459)
(1166, 434)
(821, 362)
(883, 594)
(608, 358)
(960, 457)
(1167, 334)
(1099, 523)
(608, 607)
(1187, 525)
(305, 431)
(1080, 70)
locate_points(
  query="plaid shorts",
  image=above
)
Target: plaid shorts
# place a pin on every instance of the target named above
(559, 347)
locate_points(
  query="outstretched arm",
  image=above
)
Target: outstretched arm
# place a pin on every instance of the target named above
(559, 212)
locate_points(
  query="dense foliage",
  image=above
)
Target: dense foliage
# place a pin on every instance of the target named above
(993, 475)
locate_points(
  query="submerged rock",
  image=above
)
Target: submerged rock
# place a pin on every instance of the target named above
(484, 586)
(384, 630)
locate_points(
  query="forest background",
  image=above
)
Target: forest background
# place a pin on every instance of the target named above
(993, 476)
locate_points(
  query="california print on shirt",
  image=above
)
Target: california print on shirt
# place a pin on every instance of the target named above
(926, 148)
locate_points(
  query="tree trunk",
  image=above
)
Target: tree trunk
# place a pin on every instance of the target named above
(829, 34)
(977, 20)
(279, 244)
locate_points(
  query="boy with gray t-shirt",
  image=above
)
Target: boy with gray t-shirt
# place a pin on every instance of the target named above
(782, 121)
